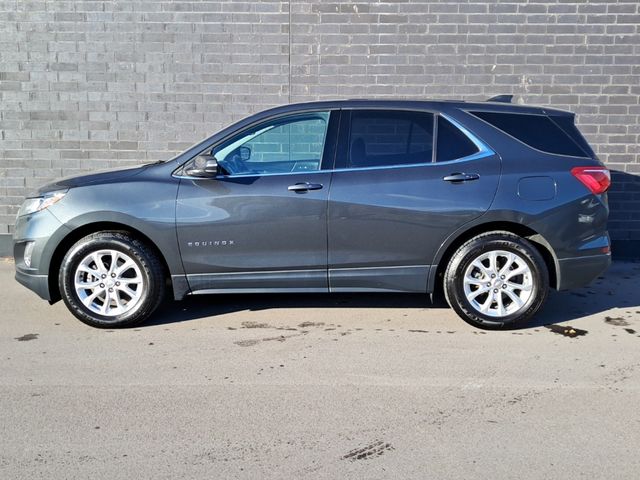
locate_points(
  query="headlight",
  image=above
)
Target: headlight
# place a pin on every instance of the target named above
(37, 204)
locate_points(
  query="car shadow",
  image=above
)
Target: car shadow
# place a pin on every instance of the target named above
(617, 289)
(200, 306)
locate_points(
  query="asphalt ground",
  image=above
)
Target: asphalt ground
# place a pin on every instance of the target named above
(323, 386)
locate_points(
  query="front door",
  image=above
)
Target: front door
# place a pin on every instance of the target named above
(262, 223)
(395, 197)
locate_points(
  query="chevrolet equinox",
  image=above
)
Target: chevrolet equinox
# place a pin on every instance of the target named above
(494, 202)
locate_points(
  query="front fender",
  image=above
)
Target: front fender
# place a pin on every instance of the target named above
(145, 206)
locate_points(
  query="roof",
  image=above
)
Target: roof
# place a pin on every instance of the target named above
(416, 104)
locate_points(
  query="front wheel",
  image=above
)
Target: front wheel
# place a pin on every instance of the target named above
(496, 280)
(110, 279)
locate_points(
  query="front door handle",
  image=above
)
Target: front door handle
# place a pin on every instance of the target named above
(461, 177)
(304, 187)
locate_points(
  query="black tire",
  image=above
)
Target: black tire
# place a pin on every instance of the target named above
(149, 266)
(486, 243)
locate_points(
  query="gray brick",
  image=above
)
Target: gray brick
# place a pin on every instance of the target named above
(93, 84)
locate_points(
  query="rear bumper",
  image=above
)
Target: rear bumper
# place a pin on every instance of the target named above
(579, 271)
(36, 283)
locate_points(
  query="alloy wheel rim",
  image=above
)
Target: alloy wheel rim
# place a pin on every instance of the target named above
(498, 283)
(109, 282)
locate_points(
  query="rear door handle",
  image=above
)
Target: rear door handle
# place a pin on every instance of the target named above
(461, 177)
(304, 187)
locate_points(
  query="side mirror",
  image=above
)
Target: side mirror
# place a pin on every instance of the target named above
(245, 153)
(203, 166)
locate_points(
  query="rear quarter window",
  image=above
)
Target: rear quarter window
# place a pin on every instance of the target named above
(452, 143)
(537, 131)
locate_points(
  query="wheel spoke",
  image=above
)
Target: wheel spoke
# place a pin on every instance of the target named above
(519, 286)
(123, 268)
(130, 281)
(130, 292)
(480, 266)
(473, 295)
(510, 259)
(474, 281)
(518, 271)
(97, 259)
(515, 298)
(90, 298)
(500, 305)
(89, 270)
(114, 261)
(116, 297)
(87, 285)
(107, 303)
(487, 303)
(493, 262)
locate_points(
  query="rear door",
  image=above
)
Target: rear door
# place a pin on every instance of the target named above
(404, 181)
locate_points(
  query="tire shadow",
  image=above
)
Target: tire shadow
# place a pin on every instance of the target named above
(617, 288)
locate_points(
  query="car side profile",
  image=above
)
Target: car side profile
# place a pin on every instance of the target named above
(494, 202)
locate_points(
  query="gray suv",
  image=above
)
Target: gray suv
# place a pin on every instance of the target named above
(492, 201)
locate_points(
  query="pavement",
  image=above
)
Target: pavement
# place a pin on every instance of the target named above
(323, 386)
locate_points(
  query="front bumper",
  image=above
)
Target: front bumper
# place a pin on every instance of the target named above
(46, 232)
(580, 271)
(35, 282)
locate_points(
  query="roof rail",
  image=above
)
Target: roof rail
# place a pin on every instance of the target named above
(501, 99)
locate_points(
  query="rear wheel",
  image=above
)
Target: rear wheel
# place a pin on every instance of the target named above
(496, 280)
(110, 279)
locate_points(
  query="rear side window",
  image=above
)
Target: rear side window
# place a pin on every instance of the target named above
(380, 138)
(452, 143)
(537, 131)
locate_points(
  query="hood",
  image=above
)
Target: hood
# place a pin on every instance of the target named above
(106, 176)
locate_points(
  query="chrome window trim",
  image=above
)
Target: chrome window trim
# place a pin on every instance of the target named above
(475, 156)
(222, 177)
(483, 151)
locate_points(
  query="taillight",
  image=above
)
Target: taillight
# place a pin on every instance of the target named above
(596, 179)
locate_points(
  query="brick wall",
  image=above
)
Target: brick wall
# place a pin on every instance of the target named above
(93, 84)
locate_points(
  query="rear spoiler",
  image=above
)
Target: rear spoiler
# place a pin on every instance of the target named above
(501, 99)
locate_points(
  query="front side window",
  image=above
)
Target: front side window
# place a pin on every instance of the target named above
(382, 138)
(288, 144)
